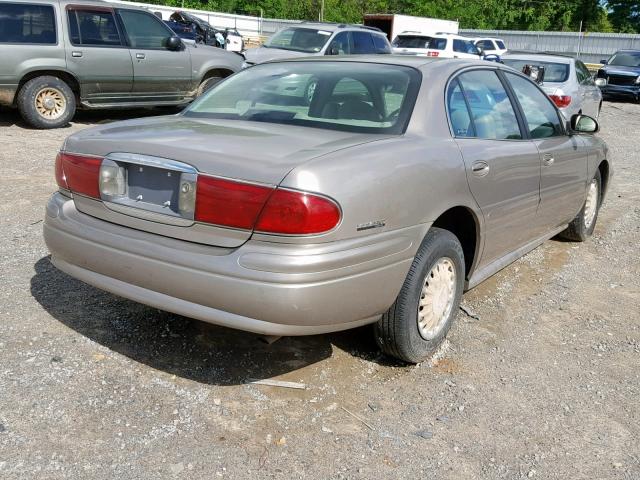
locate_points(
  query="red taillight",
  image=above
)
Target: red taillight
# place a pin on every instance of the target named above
(433, 54)
(228, 203)
(561, 101)
(298, 213)
(80, 173)
(60, 178)
(242, 205)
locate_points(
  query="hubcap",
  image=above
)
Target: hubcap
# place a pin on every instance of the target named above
(50, 103)
(436, 299)
(591, 205)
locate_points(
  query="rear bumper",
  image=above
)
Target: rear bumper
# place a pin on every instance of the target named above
(262, 287)
(621, 90)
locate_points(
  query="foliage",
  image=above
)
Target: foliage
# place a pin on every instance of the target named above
(546, 15)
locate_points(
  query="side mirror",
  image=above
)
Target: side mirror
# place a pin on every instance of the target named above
(584, 124)
(174, 43)
(604, 62)
(333, 50)
(492, 57)
(534, 72)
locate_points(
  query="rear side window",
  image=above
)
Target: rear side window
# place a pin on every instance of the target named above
(362, 43)
(381, 44)
(458, 112)
(501, 45)
(24, 23)
(464, 46)
(492, 113)
(144, 30)
(93, 27)
(437, 43)
(339, 45)
(541, 116)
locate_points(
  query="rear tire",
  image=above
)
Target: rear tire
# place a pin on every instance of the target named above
(46, 102)
(207, 84)
(583, 225)
(418, 321)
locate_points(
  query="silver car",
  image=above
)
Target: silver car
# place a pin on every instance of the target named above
(378, 199)
(567, 81)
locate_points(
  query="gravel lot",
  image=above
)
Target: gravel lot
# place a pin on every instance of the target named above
(544, 383)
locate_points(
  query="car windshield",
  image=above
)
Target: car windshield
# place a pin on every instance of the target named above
(626, 59)
(553, 72)
(411, 41)
(308, 40)
(350, 97)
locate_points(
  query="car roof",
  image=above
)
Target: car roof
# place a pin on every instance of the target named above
(331, 27)
(101, 3)
(543, 57)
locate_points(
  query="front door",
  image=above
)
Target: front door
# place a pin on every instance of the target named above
(503, 167)
(563, 179)
(158, 72)
(98, 55)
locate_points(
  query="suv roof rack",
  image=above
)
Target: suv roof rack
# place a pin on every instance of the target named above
(343, 25)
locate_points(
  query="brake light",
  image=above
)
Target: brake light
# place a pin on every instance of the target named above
(229, 203)
(433, 54)
(78, 173)
(298, 213)
(561, 101)
(234, 204)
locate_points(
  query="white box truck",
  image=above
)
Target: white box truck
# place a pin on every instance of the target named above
(393, 24)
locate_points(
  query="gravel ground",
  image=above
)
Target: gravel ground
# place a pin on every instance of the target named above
(540, 381)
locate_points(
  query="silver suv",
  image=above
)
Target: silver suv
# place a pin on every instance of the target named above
(58, 55)
(308, 39)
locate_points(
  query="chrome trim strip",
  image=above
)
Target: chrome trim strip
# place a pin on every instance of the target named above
(150, 161)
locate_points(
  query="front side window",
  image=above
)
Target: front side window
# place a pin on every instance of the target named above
(308, 40)
(437, 43)
(492, 113)
(465, 46)
(144, 30)
(541, 116)
(340, 45)
(354, 97)
(24, 23)
(362, 43)
(93, 27)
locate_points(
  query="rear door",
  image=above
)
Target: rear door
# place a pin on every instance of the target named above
(563, 176)
(98, 54)
(503, 167)
(157, 71)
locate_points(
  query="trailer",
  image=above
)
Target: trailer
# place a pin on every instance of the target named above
(393, 24)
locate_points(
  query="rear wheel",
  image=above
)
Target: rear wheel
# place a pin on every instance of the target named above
(583, 225)
(207, 84)
(418, 321)
(46, 102)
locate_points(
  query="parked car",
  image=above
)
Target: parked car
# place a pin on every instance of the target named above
(187, 33)
(447, 45)
(491, 46)
(319, 39)
(567, 81)
(58, 55)
(403, 182)
(229, 39)
(620, 75)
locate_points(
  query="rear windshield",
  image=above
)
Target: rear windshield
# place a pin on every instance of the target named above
(350, 97)
(411, 41)
(24, 23)
(553, 72)
(307, 40)
(626, 59)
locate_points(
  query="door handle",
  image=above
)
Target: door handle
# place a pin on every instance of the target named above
(140, 56)
(480, 169)
(76, 54)
(548, 159)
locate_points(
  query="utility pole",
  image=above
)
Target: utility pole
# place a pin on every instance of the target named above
(321, 14)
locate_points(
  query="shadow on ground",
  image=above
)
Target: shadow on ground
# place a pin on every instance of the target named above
(182, 346)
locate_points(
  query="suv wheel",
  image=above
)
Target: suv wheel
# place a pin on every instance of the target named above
(418, 321)
(46, 102)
